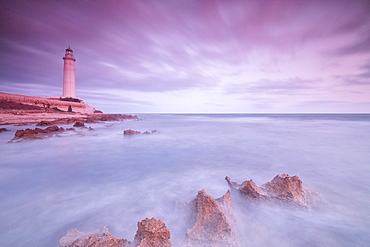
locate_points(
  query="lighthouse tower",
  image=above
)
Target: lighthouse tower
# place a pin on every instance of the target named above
(69, 81)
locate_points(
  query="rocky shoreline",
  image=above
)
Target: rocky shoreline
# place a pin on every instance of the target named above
(213, 219)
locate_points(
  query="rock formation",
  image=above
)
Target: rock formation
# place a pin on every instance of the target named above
(79, 124)
(131, 132)
(283, 189)
(38, 133)
(213, 224)
(152, 233)
(135, 132)
(75, 238)
(44, 123)
(89, 119)
(3, 130)
(212, 219)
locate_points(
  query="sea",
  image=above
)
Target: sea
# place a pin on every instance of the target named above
(86, 180)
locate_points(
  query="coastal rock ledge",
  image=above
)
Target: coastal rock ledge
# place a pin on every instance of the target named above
(38, 133)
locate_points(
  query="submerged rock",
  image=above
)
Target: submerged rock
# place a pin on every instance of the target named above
(75, 238)
(282, 189)
(131, 132)
(37, 133)
(3, 129)
(79, 124)
(44, 123)
(213, 224)
(152, 233)
(135, 132)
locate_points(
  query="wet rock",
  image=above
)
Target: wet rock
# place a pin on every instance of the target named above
(213, 223)
(110, 117)
(134, 132)
(75, 238)
(152, 233)
(131, 132)
(79, 124)
(44, 123)
(3, 130)
(37, 133)
(282, 189)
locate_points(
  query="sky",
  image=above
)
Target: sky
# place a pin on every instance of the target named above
(192, 56)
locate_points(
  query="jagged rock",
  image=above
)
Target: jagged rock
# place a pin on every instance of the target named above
(3, 129)
(283, 189)
(213, 225)
(37, 133)
(75, 238)
(152, 233)
(79, 124)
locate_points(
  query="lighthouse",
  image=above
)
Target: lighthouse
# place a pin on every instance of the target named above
(69, 80)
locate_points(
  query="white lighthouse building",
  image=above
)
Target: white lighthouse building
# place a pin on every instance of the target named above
(69, 80)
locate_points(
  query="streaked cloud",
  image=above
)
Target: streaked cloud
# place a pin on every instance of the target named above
(209, 55)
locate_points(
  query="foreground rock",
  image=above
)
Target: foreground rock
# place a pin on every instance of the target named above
(211, 220)
(135, 132)
(213, 223)
(38, 133)
(75, 238)
(152, 232)
(283, 189)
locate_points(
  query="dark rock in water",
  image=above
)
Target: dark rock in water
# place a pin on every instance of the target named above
(283, 189)
(110, 117)
(44, 123)
(76, 238)
(37, 133)
(134, 132)
(79, 124)
(131, 132)
(3, 129)
(213, 224)
(152, 233)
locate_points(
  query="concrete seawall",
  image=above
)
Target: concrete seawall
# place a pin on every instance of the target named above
(48, 102)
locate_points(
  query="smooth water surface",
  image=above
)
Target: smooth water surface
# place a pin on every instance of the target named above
(101, 178)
